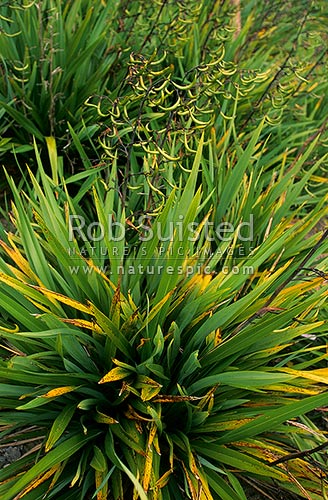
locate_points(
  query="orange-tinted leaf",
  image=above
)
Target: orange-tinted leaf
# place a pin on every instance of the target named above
(59, 391)
(116, 373)
(83, 323)
(41, 479)
(147, 470)
(62, 298)
(102, 418)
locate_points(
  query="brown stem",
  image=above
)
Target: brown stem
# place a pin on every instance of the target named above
(236, 3)
(299, 454)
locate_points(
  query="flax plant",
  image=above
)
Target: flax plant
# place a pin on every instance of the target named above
(182, 381)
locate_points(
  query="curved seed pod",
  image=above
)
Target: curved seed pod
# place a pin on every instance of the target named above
(171, 108)
(158, 132)
(116, 114)
(154, 188)
(11, 35)
(188, 148)
(226, 117)
(193, 97)
(184, 87)
(228, 72)
(158, 61)
(219, 59)
(183, 112)
(163, 85)
(21, 80)
(167, 156)
(200, 122)
(204, 110)
(142, 83)
(149, 151)
(22, 68)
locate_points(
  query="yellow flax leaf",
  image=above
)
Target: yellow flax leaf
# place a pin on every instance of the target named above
(294, 389)
(83, 323)
(62, 298)
(147, 470)
(152, 434)
(19, 260)
(99, 478)
(59, 391)
(41, 479)
(319, 375)
(164, 479)
(102, 418)
(116, 373)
